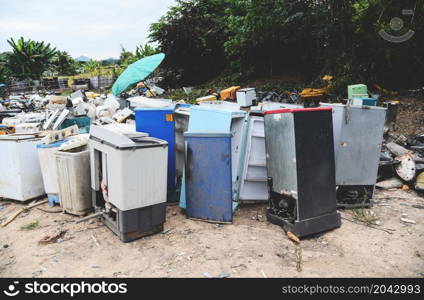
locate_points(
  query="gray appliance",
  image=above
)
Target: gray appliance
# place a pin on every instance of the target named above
(128, 180)
(358, 135)
(301, 173)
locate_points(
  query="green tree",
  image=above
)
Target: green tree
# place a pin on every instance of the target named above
(5, 73)
(140, 52)
(192, 35)
(29, 59)
(124, 56)
(92, 66)
(64, 64)
(267, 38)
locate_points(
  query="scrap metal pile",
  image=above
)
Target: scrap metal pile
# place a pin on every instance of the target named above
(125, 157)
(402, 163)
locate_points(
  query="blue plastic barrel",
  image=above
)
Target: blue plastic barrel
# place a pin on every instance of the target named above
(208, 178)
(159, 123)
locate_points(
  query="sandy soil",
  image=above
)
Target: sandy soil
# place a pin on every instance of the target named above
(250, 247)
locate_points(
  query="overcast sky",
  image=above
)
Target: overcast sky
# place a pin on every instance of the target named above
(94, 28)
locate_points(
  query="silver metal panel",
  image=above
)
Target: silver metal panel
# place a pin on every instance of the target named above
(281, 153)
(358, 134)
(182, 117)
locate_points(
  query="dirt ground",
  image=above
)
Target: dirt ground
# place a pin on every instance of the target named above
(250, 247)
(410, 119)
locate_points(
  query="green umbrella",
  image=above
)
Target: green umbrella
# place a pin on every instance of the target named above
(136, 72)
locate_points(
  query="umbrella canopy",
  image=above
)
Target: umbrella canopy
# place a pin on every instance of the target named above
(136, 72)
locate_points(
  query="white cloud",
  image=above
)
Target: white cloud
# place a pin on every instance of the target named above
(95, 28)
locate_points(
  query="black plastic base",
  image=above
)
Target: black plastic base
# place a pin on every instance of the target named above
(354, 196)
(130, 236)
(130, 225)
(133, 224)
(306, 227)
(173, 195)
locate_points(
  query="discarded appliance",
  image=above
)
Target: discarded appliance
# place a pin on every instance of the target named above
(357, 91)
(182, 117)
(301, 172)
(219, 104)
(51, 119)
(60, 119)
(229, 93)
(366, 101)
(128, 180)
(145, 102)
(46, 154)
(159, 123)
(27, 128)
(391, 116)
(20, 168)
(206, 99)
(73, 171)
(83, 124)
(245, 97)
(252, 172)
(208, 176)
(358, 135)
(58, 135)
(225, 120)
(11, 121)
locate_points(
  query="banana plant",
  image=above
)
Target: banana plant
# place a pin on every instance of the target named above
(29, 59)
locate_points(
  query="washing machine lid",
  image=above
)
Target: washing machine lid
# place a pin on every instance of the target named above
(118, 135)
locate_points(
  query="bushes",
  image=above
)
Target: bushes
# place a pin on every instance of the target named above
(257, 38)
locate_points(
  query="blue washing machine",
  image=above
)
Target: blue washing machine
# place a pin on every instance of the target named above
(159, 123)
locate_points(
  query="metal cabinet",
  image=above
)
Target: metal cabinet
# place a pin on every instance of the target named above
(358, 135)
(301, 173)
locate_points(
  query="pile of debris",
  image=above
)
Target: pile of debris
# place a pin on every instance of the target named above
(34, 113)
(402, 163)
